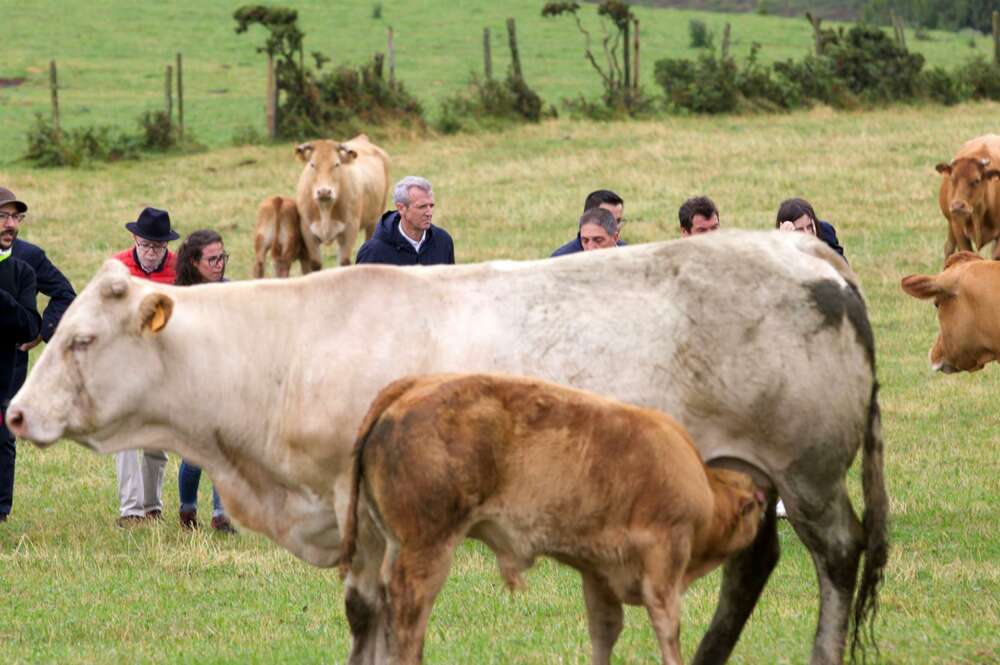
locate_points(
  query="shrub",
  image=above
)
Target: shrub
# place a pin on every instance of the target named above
(942, 87)
(873, 65)
(982, 77)
(701, 36)
(158, 131)
(705, 85)
(247, 135)
(490, 103)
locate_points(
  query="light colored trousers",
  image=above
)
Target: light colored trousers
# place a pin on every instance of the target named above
(140, 480)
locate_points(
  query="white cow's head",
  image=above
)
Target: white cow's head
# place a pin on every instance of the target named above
(102, 366)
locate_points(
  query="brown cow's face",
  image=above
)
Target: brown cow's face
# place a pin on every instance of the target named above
(968, 184)
(323, 163)
(964, 342)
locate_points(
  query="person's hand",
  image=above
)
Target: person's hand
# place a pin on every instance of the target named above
(786, 226)
(28, 346)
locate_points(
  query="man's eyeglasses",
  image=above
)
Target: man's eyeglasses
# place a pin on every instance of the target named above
(16, 216)
(146, 246)
(216, 261)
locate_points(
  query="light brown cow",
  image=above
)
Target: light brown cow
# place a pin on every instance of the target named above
(342, 189)
(532, 468)
(967, 297)
(970, 196)
(279, 233)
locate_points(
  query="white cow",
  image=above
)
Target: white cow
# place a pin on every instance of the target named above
(758, 343)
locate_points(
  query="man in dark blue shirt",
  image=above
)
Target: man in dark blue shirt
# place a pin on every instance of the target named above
(405, 236)
(602, 198)
(20, 326)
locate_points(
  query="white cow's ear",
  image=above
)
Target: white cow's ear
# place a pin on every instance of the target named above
(304, 151)
(115, 287)
(154, 312)
(346, 154)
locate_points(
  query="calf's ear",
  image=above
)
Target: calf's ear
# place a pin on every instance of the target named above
(346, 154)
(943, 169)
(923, 287)
(154, 312)
(992, 173)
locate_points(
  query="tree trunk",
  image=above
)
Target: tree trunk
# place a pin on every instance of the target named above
(272, 100)
(635, 70)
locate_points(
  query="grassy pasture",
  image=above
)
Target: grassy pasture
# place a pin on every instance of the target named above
(112, 56)
(79, 590)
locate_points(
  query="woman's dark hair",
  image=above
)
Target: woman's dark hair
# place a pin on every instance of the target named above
(792, 209)
(190, 253)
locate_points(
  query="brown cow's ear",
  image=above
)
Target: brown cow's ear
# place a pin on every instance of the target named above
(923, 287)
(346, 154)
(304, 151)
(992, 173)
(943, 168)
(154, 312)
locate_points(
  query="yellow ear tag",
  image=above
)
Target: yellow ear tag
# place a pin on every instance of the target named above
(159, 319)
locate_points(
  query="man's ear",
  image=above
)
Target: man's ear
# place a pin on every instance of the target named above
(154, 312)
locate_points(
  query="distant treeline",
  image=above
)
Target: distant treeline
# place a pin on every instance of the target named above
(932, 14)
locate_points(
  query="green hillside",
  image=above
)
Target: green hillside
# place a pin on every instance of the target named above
(112, 56)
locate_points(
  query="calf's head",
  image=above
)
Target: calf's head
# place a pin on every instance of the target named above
(104, 363)
(739, 507)
(963, 294)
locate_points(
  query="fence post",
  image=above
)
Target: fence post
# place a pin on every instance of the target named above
(996, 38)
(391, 49)
(55, 97)
(272, 100)
(378, 65)
(515, 59)
(168, 89)
(817, 33)
(635, 72)
(626, 58)
(487, 56)
(726, 35)
(180, 98)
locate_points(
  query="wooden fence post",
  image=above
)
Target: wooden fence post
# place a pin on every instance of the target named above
(635, 71)
(996, 38)
(180, 98)
(55, 98)
(272, 100)
(515, 59)
(487, 55)
(168, 89)
(817, 33)
(898, 29)
(626, 58)
(378, 65)
(391, 50)
(726, 35)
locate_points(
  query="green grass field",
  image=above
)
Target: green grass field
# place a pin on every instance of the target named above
(79, 590)
(112, 56)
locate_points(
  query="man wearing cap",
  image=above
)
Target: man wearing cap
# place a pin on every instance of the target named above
(19, 324)
(140, 472)
(49, 281)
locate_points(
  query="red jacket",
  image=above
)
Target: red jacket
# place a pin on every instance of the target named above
(165, 274)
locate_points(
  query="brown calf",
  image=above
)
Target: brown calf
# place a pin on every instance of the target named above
(531, 468)
(278, 231)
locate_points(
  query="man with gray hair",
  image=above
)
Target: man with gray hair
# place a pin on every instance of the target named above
(405, 236)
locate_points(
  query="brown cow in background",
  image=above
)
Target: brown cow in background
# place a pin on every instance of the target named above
(532, 468)
(278, 231)
(970, 196)
(967, 297)
(342, 189)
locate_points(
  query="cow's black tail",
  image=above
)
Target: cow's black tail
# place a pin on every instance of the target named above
(349, 534)
(875, 523)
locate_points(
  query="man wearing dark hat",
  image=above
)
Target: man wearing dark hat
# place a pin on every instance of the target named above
(19, 324)
(52, 283)
(140, 472)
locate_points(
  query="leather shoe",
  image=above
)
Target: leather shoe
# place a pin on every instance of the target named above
(189, 519)
(222, 524)
(130, 521)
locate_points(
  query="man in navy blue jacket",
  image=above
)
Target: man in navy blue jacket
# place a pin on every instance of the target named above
(19, 327)
(602, 198)
(405, 236)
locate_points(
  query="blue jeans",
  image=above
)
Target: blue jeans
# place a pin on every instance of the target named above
(187, 486)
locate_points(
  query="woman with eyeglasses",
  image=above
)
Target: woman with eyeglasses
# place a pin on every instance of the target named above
(798, 215)
(200, 260)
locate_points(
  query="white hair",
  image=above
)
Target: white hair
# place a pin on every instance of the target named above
(401, 192)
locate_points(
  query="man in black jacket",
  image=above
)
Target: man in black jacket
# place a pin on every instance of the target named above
(405, 236)
(19, 325)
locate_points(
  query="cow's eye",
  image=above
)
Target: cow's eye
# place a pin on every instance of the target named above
(312, 165)
(81, 342)
(975, 183)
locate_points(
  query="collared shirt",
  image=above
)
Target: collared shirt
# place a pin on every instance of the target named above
(416, 243)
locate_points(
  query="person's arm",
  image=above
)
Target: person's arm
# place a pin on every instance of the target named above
(53, 283)
(19, 317)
